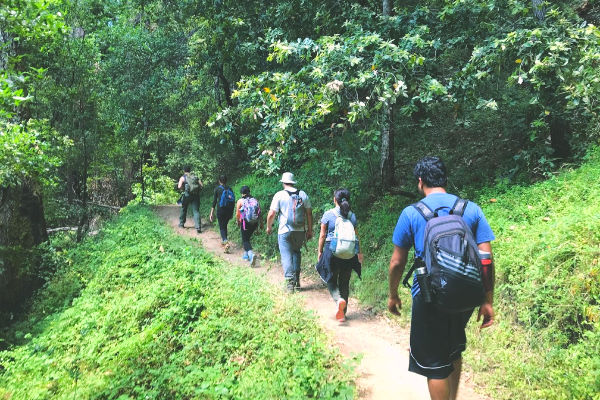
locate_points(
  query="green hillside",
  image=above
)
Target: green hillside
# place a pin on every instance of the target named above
(138, 313)
(546, 342)
(104, 103)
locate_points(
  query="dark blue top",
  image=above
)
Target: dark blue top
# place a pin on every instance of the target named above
(410, 229)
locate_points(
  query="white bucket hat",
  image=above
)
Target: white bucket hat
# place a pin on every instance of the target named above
(288, 178)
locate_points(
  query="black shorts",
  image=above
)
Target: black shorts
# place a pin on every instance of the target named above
(437, 339)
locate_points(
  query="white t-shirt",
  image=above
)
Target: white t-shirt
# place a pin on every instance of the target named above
(280, 206)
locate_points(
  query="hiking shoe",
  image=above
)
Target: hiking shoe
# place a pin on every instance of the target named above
(341, 315)
(290, 286)
(297, 282)
(253, 260)
(227, 247)
(199, 230)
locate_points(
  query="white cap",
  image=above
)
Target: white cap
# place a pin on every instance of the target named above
(288, 178)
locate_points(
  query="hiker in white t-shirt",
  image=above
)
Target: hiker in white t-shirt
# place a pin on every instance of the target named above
(293, 208)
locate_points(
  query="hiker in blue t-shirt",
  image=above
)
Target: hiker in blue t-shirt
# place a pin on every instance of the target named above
(224, 202)
(335, 270)
(437, 338)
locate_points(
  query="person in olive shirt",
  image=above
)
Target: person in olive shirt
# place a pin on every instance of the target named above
(224, 207)
(189, 199)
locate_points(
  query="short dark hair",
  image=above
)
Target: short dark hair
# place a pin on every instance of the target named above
(223, 179)
(432, 172)
(245, 190)
(187, 169)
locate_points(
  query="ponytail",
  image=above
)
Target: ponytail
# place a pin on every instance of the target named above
(342, 196)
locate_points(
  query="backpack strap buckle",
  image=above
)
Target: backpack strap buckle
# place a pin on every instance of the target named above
(459, 207)
(424, 210)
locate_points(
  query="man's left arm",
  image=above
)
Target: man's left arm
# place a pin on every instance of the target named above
(309, 221)
(309, 216)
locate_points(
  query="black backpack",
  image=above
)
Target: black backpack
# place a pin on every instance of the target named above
(452, 259)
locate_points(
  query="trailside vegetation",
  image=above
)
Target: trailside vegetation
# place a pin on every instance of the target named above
(546, 339)
(137, 312)
(102, 104)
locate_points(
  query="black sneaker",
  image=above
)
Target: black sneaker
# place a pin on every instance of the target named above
(290, 286)
(199, 230)
(297, 282)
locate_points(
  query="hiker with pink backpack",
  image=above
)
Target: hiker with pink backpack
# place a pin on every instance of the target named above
(249, 219)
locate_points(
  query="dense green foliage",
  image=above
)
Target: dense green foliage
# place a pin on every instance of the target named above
(548, 278)
(28, 146)
(547, 252)
(104, 102)
(139, 313)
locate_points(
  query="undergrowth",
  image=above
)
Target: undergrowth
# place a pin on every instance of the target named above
(138, 313)
(546, 340)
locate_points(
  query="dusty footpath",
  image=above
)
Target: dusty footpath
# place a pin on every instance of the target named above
(381, 344)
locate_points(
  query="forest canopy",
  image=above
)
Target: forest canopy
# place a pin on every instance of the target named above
(103, 103)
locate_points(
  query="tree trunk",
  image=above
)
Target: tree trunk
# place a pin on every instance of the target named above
(386, 167)
(387, 7)
(22, 227)
(22, 219)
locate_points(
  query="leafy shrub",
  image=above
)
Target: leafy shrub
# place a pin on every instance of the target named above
(548, 289)
(159, 189)
(145, 314)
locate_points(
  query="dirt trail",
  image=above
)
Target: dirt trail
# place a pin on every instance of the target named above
(382, 373)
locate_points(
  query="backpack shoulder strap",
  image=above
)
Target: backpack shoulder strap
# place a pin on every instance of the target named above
(459, 207)
(424, 210)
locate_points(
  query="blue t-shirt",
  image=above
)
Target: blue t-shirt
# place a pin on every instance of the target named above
(329, 219)
(410, 229)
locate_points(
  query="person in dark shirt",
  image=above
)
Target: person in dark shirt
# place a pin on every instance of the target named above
(189, 199)
(224, 206)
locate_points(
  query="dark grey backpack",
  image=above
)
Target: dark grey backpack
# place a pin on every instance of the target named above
(452, 259)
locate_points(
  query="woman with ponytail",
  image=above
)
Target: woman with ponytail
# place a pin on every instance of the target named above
(336, 271)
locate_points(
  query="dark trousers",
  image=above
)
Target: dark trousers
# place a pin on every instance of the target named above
(223, 216)
(246, 234)
(193, 203)
(339, 284)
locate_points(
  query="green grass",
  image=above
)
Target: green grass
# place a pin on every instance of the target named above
(546, 341)
(140, 313)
